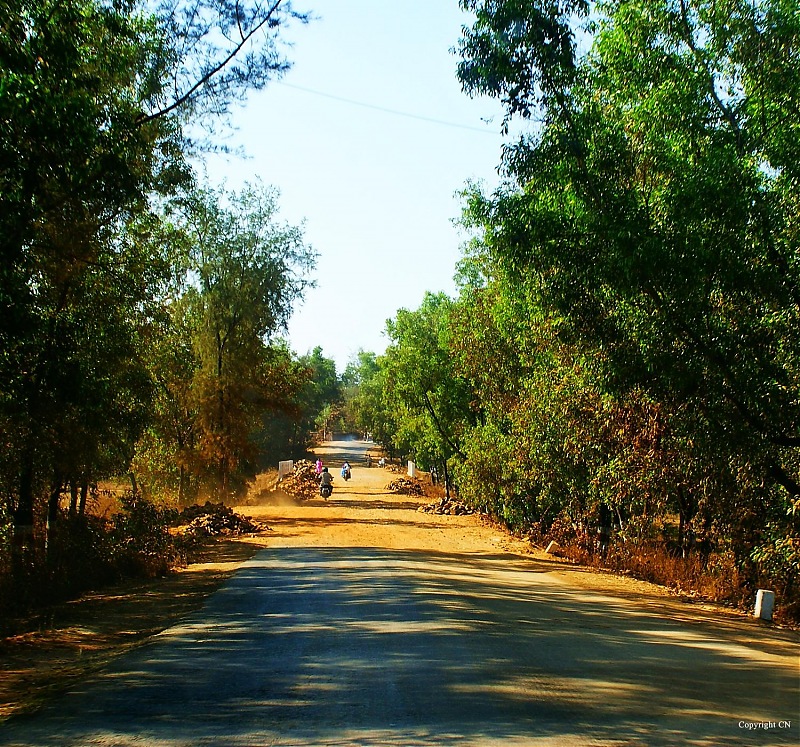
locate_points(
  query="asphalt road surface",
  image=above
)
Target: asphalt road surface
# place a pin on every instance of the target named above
(341, 646)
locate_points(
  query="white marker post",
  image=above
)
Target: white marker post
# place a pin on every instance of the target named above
(765, 603)
(285, 467)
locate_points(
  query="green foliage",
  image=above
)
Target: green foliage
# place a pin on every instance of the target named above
(249, 271)
(79, 260)
(648, 212)
(624, 354)
(221, 376)
(95, 97)
(364, 380)
(432, 404)
(315, 392)
(319, 399)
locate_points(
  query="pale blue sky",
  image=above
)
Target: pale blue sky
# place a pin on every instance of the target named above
(376, 190)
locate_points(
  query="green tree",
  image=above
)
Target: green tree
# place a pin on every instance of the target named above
(653, 212)
(245, 272)
(321, 396)
(94, 97)
(72, 179)
(311, 408)
(432, 404)
(166, 453)
(286, 429)
(363, 390)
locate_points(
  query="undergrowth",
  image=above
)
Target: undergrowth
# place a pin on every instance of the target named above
(86, 552)
(715, 576)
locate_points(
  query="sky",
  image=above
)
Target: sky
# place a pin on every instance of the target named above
(368, 138)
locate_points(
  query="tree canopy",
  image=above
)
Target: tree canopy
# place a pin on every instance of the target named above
(102, 105)
(623, 350)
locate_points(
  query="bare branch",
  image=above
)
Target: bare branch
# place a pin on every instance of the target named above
(267, 20)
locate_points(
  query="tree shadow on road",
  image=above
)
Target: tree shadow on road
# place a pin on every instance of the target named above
(368, 646)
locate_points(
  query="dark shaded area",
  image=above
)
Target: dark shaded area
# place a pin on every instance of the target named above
(78, 637)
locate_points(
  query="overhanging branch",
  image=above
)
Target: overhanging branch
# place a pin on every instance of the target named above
(214, 71)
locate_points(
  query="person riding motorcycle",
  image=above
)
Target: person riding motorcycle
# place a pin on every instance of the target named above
(346, 470)
(325, 483)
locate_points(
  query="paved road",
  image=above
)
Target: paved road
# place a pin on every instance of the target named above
(363, 646)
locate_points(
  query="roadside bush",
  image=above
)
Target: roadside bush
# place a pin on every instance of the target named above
(716, 577)
(78, 556)
(87, 552)
(142, 542)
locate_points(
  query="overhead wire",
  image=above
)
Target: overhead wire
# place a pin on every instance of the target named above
(386, 110)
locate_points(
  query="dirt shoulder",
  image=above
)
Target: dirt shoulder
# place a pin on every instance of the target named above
(82, 636)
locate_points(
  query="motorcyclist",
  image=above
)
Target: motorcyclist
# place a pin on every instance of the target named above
(325, 482)
(346, 470)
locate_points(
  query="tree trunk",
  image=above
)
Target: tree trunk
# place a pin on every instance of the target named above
(73, 498)
(84, 495)
(53, 504)
(224, 481)
(686, 513)
(22, 542)
(182, 486)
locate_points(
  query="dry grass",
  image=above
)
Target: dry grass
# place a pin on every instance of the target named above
(716, 580)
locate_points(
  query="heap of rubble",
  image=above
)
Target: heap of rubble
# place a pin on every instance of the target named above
(443, 506)
(215, 519)
(406, 486)
(303, 481)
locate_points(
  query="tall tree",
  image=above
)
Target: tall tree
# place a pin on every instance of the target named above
(320, 398)
(94, 98)
(246, 270)
(654, 211)
(362, 395)
(72, 172)
(431, 401)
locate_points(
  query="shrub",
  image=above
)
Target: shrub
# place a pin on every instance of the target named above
(142, 542)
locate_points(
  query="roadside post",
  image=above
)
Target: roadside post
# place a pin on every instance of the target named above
(765, 603)
(285, 467)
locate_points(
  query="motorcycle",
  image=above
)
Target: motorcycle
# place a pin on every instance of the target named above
(325, 491)
(346, 474)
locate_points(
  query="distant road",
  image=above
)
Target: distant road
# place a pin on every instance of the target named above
(339, 645)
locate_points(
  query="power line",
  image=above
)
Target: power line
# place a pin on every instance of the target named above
(383, 109)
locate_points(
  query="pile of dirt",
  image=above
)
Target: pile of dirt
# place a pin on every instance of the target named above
(303, 482)
(451, 508)
(216, 519)
(406, 486)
